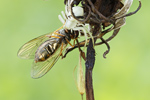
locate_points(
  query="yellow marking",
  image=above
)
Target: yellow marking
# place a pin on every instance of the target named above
(55, 37)
(43, 59)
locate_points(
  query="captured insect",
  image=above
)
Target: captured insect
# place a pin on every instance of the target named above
(46, 50)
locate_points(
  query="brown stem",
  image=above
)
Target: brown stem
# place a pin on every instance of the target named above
(90, 60)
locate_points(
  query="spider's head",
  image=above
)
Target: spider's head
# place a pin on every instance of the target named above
(71, 22)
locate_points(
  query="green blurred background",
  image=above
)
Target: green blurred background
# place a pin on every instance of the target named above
(124, 75)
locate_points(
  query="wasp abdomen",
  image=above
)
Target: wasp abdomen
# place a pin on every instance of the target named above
(46, 50)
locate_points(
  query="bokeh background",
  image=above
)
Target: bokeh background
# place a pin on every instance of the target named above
(124, 75)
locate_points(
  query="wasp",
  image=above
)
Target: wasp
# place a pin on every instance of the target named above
(46, 50)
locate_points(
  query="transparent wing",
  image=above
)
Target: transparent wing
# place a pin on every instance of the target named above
(27, 51)
(39, 69)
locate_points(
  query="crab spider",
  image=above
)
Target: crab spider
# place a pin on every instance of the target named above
(73, 24)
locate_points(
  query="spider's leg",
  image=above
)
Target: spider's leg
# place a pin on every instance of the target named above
(63, 14)
(85, 34)
(84, 31)
(61, 19)
(85, 28)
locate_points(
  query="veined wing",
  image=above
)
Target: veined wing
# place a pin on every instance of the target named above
(39, 69)
(27, 51)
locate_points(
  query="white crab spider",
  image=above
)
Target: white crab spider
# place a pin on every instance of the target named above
(73, 24)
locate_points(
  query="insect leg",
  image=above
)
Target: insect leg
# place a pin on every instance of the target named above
(58, 34)
(69, 42)
(75, 40)
(59, 28)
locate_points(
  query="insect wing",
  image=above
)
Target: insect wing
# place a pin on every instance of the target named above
(39, 69)
(27, 51)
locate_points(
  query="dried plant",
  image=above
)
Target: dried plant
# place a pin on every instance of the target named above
(103, 16)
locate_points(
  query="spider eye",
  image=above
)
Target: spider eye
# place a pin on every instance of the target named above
(69, 16)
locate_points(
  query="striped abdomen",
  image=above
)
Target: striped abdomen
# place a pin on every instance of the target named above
(46, 49)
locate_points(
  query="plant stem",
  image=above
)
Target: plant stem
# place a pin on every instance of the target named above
(90, 60)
